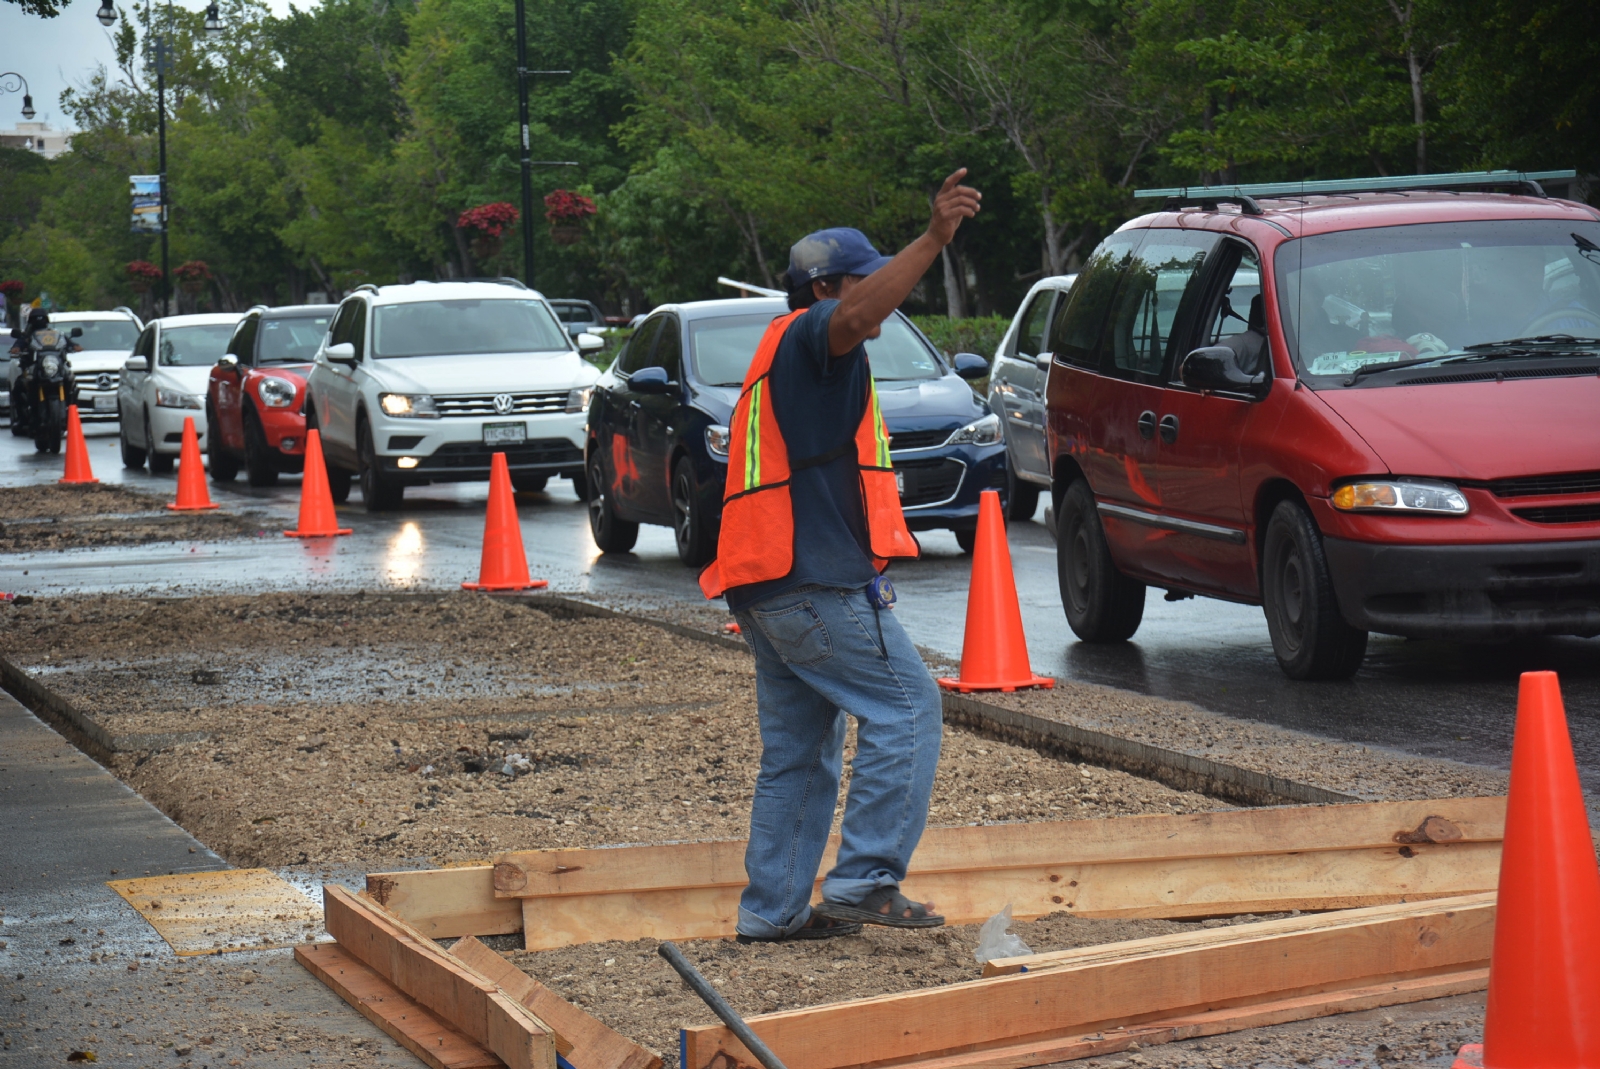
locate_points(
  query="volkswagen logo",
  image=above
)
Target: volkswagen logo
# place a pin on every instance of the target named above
(103, 383)
(503, 404)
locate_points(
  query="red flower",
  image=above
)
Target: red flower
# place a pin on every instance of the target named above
(137, 269)
(490, 220)
(192, 271)
(564, 204)
(11, 287)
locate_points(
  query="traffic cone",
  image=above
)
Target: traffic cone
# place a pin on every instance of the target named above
(317, 519)
(504, 565)
(1544, 976)
(78, 472)
(994, 653)
(192, 493)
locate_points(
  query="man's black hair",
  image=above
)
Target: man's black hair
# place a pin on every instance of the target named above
(803, 296)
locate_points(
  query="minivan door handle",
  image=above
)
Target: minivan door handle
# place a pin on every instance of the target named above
(1147, 425)
(1169, 428)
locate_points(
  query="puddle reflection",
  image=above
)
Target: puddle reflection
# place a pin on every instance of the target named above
(404, 558)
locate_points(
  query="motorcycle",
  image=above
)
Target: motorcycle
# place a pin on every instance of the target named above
(45, 388)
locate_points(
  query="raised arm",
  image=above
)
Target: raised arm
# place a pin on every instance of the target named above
(864, 305)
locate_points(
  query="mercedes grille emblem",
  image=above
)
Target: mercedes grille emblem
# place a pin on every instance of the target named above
(103, 382)
(503, 403)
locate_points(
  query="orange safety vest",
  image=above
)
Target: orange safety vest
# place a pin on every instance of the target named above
(757, 538)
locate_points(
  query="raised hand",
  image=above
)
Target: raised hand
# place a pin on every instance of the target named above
(953, 203)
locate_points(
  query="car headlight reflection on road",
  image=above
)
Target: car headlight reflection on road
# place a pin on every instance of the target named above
(985, 431)
(578, 399)
(1386, 495)
(412, 405)
(276, 392)
(176, 399)
(718, 439)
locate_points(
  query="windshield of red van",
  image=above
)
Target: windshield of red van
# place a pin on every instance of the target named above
(1359, 303)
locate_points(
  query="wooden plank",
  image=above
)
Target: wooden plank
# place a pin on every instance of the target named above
(405, 1020)
(594, 1045)
(1152, 983)
(420, 968)
(1238, 833)
(446, 903)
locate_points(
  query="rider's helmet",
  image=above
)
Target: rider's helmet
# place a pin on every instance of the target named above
(38, 319)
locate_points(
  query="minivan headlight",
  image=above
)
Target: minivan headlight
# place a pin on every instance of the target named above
(276, 392)
(985, 431)
(176, 399)
(578, 399)
(1395, 495)
(718, 439)
(408, 405)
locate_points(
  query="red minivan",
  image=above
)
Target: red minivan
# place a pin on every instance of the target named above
(1365, 406)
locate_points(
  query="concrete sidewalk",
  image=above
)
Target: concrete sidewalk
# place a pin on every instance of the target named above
(81, 971)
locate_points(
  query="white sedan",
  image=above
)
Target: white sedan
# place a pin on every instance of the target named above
(164, 381)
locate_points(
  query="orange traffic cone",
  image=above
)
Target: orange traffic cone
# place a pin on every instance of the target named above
(317, 519)
(78, 472)
(504, 565)
(1544, 977)
(994, 654)
(192, 493)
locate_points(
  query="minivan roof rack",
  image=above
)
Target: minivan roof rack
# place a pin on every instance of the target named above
(1244, 195)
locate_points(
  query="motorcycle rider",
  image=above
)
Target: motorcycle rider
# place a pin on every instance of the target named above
(24, 352)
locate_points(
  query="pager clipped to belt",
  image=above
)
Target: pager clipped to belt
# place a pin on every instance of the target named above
(881, 593)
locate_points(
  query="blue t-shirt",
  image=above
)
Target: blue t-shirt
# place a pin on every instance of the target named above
(818, 402)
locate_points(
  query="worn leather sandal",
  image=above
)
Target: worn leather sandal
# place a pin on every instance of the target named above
(902, 912)
(815, 927)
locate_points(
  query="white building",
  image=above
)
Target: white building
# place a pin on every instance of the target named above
(37, 137)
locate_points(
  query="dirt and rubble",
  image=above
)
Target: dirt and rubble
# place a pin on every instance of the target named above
(51, 516)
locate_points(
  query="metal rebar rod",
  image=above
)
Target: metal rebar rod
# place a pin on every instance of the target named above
(719, 1005)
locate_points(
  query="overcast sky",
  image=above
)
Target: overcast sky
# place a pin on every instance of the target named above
(53, 54)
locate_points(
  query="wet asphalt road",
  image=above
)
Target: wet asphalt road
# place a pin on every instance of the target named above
(1434, 698)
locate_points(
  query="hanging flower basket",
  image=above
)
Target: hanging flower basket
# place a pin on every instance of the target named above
(566, 234)
(488, 224)
(486, 246)
(143, 275)
(566, 211)
(192, 276)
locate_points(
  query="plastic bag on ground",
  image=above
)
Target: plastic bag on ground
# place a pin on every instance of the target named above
(995, 942)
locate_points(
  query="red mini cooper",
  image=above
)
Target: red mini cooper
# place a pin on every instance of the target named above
(256, 396)
(1370, 405)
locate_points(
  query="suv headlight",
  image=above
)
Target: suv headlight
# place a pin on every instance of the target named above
(276, 392)
(176, 399)
(718, 439)
(1394, 495)
(985, 431)
(578, 399)
(412, 405)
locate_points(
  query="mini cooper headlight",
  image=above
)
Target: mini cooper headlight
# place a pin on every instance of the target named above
(985, 431)
(1397, 495)
(276, 392)
(413, 405)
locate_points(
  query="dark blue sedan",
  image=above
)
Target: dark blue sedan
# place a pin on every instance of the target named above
(658, 426)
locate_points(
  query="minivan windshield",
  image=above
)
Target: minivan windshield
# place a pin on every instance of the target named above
(722, 349)
(116, 335)
(194, 346)
(466, 327)
(1437, 293)
(292, 339)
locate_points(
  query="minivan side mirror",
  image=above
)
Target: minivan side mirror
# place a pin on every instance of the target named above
(971, 365)
(650, 380)
(343, 353)
(136, 363)
(75, 332)
(1216, 367)
(589, 343)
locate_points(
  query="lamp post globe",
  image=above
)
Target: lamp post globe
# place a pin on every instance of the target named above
(213, 21)
(27, 106)
(107, 14)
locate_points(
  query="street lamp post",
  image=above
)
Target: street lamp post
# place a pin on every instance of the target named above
(527, 158)
(21, 85)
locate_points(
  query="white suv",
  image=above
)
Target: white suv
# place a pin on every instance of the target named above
(424, 382)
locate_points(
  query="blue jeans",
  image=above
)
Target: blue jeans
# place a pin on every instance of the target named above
(822, 652)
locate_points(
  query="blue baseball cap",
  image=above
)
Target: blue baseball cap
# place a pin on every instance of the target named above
(840, 250)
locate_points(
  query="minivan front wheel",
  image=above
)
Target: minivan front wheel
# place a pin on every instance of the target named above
(1309, 636)
(1102, 604)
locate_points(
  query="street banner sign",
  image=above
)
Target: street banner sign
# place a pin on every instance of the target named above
(147, 215)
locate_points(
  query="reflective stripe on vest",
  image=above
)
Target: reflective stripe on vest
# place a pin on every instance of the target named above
(756, 542)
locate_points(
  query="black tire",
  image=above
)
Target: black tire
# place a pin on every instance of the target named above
(689, 527)
(966, 538)
(378, 493)
(132, 455)
(1309, 636)
(580, 485)
(611, 534)
(339, 479)
(1102, 604)
(19, 416)
(529, 482)
(160, 463)
(52, 425)
(1022, 497)
(223, 465)
(258, 461)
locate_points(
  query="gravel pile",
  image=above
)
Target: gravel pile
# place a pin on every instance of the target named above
(70, 517)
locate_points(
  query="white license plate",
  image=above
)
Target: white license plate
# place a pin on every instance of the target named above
(105, 404)
(505, 433)
(900, 482)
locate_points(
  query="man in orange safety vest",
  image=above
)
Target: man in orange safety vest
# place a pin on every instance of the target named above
(811, 517)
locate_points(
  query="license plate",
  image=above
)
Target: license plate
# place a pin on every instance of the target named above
(105, 404)
(900, 482)
(505, 433)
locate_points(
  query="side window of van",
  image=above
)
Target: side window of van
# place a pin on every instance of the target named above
(1159, 290)
(1075, 334)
